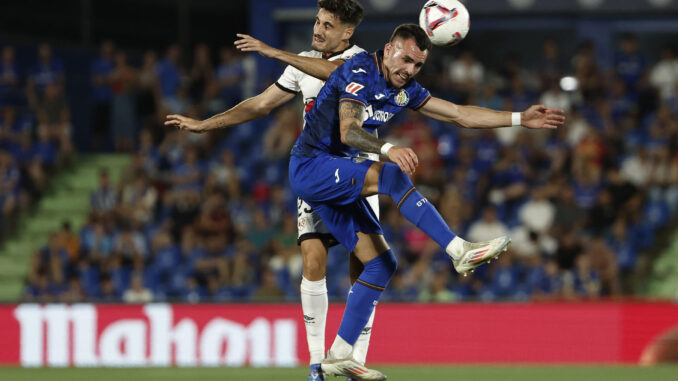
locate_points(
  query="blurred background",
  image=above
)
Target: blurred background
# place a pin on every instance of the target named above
(101, 203)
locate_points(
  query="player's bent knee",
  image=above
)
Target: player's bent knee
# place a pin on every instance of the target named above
(390, 262)
(313, 270)
(394, 182)
(381, 269)
(371, 182)
(314, 256)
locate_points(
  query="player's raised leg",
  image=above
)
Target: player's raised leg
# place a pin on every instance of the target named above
(388, 178)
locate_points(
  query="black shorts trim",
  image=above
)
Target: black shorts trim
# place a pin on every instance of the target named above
(283, 88)
(327, 238)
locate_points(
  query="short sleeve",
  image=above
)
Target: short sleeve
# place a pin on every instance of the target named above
(353, 84)
(349, 53)
(289, 80)
(419, 96)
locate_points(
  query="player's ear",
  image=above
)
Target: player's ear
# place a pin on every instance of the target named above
(387, 49)
(348, 33)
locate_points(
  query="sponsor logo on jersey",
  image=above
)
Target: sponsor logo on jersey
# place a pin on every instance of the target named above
(379, 96)
(359, 70)
(353, 88)
(382, 116)
(402, 98)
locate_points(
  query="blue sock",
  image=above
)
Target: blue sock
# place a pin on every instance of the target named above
(413, 206)
(365, 294)
(315, 373)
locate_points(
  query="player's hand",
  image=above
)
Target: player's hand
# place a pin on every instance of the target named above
(184, 123)
(247, 43)
(406, 159)
(540, 116)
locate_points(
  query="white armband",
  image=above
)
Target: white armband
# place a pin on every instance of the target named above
(385, 148)
(515, 119)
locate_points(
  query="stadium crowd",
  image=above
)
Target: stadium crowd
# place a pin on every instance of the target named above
(35, 129)
(211, 218)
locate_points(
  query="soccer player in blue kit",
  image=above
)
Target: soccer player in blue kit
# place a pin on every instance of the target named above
(325, 171)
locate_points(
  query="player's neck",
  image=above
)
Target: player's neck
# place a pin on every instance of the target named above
(340, 48)
(386, 73)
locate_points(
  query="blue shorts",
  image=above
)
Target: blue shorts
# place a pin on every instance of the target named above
(331, 185)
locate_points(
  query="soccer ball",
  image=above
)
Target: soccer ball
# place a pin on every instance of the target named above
(446, 22)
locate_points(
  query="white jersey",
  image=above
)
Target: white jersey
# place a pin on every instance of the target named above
(294, 81)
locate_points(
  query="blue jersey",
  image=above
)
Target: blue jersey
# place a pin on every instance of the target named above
(358, 80)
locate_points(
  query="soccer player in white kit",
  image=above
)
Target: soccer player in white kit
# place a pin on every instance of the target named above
(334, 26)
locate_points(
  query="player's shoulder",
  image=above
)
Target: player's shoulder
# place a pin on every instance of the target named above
(310, 53)
(362, 56)
(413, 85)
(362, 60)
(349, 53)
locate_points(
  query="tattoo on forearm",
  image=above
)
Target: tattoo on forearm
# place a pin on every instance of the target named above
(356, 136)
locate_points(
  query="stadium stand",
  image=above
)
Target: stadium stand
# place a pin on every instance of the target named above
(211, 217)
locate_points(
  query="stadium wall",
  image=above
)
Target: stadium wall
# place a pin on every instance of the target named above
(85, 335)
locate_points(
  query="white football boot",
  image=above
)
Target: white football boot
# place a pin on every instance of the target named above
(466, 256)
(349, 367)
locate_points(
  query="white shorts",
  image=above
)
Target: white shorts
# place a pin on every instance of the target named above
(310, 225)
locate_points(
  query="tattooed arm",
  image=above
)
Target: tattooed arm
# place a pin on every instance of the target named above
(352, 134)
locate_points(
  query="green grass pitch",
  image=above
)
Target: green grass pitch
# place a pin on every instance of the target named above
(429, 373)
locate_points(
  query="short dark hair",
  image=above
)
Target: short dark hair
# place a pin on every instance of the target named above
(406, 31)
(348, 11)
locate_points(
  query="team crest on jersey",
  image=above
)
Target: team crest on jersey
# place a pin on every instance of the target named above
(402, 98)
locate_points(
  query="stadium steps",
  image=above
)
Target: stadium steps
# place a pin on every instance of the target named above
(663, 281)
(67, 200)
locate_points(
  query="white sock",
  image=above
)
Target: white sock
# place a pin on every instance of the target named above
(340, 348)
(455, 248)
(363, 342)
(314, 307)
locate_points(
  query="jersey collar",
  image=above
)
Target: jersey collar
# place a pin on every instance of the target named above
(378, 57)
(339, 52)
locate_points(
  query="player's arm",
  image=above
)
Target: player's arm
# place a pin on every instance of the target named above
(249, 109)
(537, 116)
(352, 134)
(316, 67)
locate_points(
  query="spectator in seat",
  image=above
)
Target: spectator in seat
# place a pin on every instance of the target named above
(137, 293)
(47, 71)
(466, 74)
(9, 184)
(269, 290)
(201, 76)
(148, 96)
(54, 119)
(101, 72)
(124, 82)
(104, 199)
(10, 78)
(229, 76)
(664, 74)
(170, 73)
